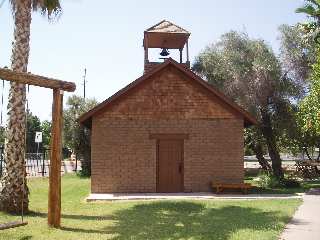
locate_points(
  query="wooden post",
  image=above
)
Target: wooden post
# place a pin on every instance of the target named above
(54, 201)
(180, 54)
(187, 48)
(146, 60)
(146, 57)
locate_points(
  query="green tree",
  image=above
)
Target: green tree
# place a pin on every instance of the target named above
(15, 189)
(309, 113)
(248, 72)
(297, 54)
(33, 126)
(75, 106)
(77, 137)
(312, 9)
(46, 133)
(307, 134)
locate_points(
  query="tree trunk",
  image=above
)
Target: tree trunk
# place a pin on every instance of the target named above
(305, 149)
(268, 134)
(14, 195)
(85, 151)
(257, 148)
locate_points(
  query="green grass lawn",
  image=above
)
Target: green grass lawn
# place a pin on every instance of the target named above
(192, 220)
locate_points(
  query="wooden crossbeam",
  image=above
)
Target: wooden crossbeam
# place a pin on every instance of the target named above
(36, 80)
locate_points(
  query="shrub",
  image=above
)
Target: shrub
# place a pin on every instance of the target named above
(267, 180)
(290, 183)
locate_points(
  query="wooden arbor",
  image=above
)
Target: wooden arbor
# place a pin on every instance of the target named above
(54, 200)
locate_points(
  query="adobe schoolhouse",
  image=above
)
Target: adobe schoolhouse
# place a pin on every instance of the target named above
(169, 130)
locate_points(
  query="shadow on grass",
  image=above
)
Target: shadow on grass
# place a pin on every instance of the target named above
(25, 238)
(184, 220)
(304, 188)
(82, 175)
(285, 191)
(73, 216)
(81, 230)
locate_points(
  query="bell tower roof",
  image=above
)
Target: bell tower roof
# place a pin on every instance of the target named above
(167, 27)
(165, 34)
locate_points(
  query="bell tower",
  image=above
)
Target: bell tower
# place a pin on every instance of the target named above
(165, 36)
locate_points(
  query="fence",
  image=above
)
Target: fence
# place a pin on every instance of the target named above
(37, 164)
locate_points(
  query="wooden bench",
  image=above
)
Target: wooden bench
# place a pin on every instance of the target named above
(221, 186)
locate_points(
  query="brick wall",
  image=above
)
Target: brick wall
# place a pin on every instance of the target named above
(124, 157)
(169, 94)
(148, 66)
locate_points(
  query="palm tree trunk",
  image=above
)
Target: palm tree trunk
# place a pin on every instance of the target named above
(268, 134)
(15, 190)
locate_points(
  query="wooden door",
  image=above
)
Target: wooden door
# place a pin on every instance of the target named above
(170, 165)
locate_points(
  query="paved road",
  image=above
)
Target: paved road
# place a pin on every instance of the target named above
(255, 164)
(305, 223)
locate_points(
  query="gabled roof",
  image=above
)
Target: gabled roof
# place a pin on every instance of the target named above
(166, 27)
(86, 118)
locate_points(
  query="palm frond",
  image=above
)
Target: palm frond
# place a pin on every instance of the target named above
(50, 8)
(315, 2)
(12, 4)
(307, 9)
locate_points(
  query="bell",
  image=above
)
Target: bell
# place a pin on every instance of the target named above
(164, 52)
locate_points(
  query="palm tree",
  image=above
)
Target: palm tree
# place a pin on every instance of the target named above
(312, 9)
(14, 193)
